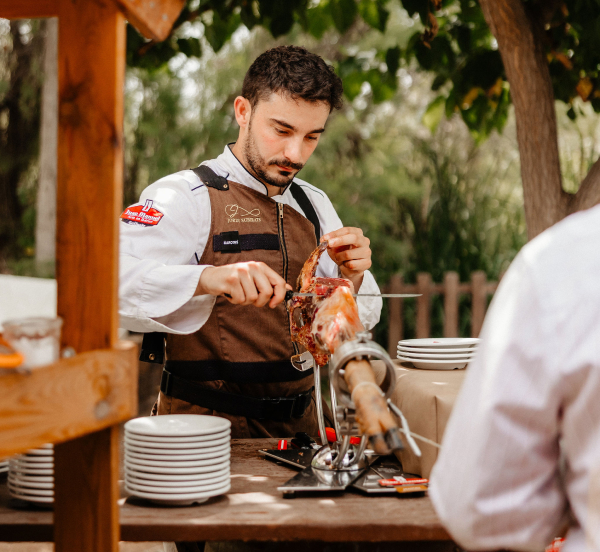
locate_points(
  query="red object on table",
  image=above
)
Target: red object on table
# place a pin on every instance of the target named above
(331, 437)
(282, 444)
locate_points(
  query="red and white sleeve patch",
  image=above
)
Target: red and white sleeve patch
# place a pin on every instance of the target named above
(144, 215)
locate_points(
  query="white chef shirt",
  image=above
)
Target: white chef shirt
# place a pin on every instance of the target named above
(535, 382)
(159, 268)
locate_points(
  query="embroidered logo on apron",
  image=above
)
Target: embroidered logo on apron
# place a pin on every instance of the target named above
(235, 213)
(142, 215)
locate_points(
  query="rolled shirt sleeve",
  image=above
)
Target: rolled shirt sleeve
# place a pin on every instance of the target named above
(159, 270)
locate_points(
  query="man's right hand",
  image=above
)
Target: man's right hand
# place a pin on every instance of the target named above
(244, 284)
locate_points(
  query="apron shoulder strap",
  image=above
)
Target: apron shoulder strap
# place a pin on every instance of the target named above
(210, 178)
(305, 204)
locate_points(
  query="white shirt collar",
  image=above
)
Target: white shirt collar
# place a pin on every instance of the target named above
(238, 173)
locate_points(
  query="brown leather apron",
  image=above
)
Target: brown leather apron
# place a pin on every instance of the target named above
(247, 225)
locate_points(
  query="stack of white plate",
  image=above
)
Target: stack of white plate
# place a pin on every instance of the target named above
(31, 475)
(439, 353)
(177, 459)
(3, 466)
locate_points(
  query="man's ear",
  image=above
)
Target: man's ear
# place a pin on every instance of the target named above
(243, 111)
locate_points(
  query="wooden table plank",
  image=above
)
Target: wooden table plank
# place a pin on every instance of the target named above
(255, 510)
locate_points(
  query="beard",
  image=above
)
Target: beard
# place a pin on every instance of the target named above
(259, 164)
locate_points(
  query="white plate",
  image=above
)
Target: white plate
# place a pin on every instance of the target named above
(176, 471)
(35, 458)
(436, 350)
(33, 465)
(169, 462)
(153, 476)
(200, 454)
(200, 488)
(444, 356)
(165, 439)
(197, 479)
(180, 499)
(15, 480)
(199, 446)
(29, 492)
(31, 478)
(29, 498)
(179, 457)
(177, 425)
(449, 342)
(436, 364)
(40, 452)
(28, 471)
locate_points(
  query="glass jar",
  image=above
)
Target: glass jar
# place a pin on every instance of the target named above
(37, 339)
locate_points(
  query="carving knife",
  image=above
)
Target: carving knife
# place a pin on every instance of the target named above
(290, 294)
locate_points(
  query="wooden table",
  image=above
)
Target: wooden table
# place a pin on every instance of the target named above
(254, 510)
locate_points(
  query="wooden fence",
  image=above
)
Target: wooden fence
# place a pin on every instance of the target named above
(451, 288)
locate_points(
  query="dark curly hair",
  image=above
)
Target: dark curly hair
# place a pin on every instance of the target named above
(295, 71)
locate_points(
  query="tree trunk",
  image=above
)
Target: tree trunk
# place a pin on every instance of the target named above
(45, 230)
(520, 40)
(526, 66)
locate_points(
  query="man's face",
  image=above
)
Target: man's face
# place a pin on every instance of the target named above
(280, 136)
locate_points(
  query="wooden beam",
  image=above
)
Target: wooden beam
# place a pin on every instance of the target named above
(80, 494)
(68, 399)
(153, 18)
(90, 189)
(28, 9)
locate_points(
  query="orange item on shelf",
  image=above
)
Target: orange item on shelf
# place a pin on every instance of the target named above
(9, 358)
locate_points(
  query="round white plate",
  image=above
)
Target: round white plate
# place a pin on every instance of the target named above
(153, 476)
(197, 480)
(179, 457)
(436, 364)
(169, 463)
(183, 498)
(31, 465)
(449, 342)
(435, 350)
(177, 425)
(29, 498)
(34, 459)
(40, 452)
(15, 480)
(31, 478)
(170, 453)
(199, 447)
(28, 491)
(176, 471)
(443, 356)
(200, 488)
(27, 471)
(189, 439)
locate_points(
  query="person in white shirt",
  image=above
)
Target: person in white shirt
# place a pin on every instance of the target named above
(204, 247)
(520, 458)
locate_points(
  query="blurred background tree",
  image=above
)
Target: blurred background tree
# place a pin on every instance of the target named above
(423, 156)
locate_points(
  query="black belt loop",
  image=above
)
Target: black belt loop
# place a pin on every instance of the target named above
(277, 409)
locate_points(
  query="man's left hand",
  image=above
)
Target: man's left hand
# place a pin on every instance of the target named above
(349, 249)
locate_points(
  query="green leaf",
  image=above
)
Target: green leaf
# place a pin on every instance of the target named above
(343, 13)
(374, 14)
(190, 47)
(438, 82)
(316, 20)
(392, 60)
(219, 32)
(417, 6)
(434, 113)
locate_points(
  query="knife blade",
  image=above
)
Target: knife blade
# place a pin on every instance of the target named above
(291, 294)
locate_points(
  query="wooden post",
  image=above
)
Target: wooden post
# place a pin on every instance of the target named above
(451, 283)
(424, 305)
(478, 301)
(90, 168)
(396, 326)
